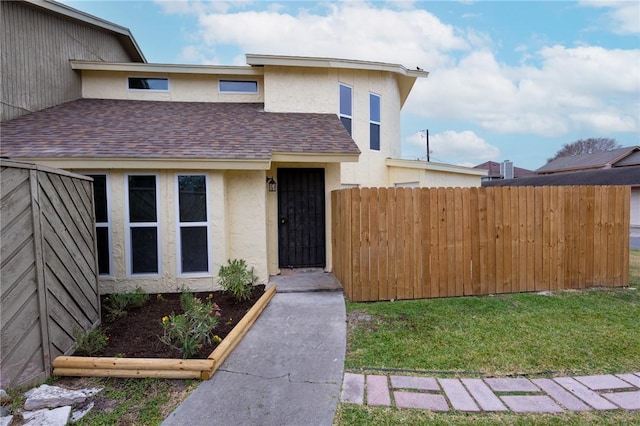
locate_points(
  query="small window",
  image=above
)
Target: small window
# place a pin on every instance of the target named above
(103, 226)
(145, 83)
(346, 107)
(238, 86)
(142, 224)
(374, 122)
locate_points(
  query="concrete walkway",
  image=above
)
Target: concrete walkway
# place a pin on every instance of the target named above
(288, 368)
(521, 395)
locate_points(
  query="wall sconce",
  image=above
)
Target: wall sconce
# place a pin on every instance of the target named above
(272, 184)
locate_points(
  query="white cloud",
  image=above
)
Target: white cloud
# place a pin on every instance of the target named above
(411, 37)
(572, 90)
(623, 17)
(463, 148)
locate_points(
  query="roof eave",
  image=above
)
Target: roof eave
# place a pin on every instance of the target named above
(164, 68)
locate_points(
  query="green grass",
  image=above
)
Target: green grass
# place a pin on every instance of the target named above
(352, 415)
(135, 401)
(567, 333)
(634, 268)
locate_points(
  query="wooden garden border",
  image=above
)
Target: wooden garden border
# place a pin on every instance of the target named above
(166, 368)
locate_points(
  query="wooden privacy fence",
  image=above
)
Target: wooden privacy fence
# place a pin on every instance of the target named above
(48, 270)
(412, 243)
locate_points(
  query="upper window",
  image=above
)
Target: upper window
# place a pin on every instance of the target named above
(374, 122)
(193, 224)
(238, 86)
(103, 225)
(346, 107)
(142, 224)
(147, 83)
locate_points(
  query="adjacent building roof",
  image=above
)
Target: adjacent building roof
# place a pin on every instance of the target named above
(126, 129)
(598, 160)
(494, 170)
(615, 176)
(122, 33)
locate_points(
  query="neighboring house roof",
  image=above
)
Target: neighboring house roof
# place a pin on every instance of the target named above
(598, 160)
(406, 77)
(122, 33)
(127, 129)
(494, 170)
(615, 176)
(632, 159)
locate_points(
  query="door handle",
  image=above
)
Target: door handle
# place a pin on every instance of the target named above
(283, 220)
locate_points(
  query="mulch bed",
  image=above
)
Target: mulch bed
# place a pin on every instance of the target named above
(136, 335)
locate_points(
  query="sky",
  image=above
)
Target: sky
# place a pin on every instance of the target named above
(508, 80)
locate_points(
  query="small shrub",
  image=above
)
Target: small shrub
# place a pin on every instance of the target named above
(237, 279)
(90, 342)
(117, 304)
(191, 330)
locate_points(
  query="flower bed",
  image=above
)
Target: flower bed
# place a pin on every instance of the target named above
(170, 368)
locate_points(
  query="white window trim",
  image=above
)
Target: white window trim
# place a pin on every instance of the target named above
(379, 123)
(106, 224)
(227, 92)
(180, 225)
(129, 225)
(340, 114)
(147, 90)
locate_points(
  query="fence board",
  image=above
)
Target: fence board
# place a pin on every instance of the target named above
(407, 243)
(47, 250)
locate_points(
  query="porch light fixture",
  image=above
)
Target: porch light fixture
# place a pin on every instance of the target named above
(272, 184)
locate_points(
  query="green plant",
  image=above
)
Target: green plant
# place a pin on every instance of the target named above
(90, 342)
(189, 331)
(116, 304)
(237, 279)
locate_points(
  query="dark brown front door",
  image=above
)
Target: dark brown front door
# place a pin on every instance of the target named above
(301, 219)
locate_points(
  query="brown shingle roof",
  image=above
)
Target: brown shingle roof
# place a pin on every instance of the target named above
(171, 130)
(597, 160)
(494, 169)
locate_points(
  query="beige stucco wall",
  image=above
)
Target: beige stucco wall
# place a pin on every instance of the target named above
(237, 229)
(297, 89)
(182, 87)
(408, 173)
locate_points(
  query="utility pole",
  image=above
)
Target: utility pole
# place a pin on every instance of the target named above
(426, 135)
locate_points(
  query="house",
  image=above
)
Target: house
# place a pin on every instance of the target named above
(619, 157)
(504, 170)
(617, 167)
(197, 164)
(38, 40)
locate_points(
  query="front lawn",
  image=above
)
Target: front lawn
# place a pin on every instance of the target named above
(566, 333)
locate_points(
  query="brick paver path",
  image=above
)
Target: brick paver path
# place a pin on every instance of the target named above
(520, 395)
